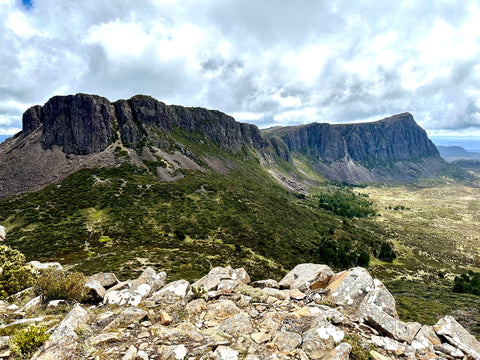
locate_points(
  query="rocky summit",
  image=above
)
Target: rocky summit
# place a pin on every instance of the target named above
(312, 313)
(69, 133)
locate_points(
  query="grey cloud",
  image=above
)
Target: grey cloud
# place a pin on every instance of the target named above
(240, 61)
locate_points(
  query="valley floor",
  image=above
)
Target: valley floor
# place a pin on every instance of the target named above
(436, 232)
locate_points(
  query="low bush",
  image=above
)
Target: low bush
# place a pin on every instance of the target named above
(15, 274)
(53, 284)
(28, 340)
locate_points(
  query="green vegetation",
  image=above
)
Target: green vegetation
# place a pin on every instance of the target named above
(344, 202)
(467, 283)
(28, 340)
(360, 348)
(427, 302)
(118, 219)
(386, 253)
(53, 284)
(15, 275)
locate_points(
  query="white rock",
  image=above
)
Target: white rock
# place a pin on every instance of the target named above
(130, 354)
(3, 233)
(449, 350)
(142, 355)
(330, 331)
(62, 344)
(175, 290)
(12, 307)
(225, 353)
(122, 297)
(457, 336)
(37, 265)
(304, 276)
(143, 289)
(54, 304)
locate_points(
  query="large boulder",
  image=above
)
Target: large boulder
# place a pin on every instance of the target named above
(224, 276)
(355, 290)
(107, 280)
(122, 297)
(387, 325)
(95, 291)
(173, 292)
(381, 298)
(457, 336)
(149, 281)
(307, 276)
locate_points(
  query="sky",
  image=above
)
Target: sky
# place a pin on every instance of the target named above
(264, 62)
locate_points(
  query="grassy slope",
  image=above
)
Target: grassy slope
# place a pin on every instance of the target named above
(118, 219)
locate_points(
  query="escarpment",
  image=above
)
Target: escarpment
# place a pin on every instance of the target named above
(395, 138)
(85, 124)
(72, 132)
(392, 149)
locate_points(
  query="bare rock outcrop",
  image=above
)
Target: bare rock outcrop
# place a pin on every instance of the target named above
(245, 323)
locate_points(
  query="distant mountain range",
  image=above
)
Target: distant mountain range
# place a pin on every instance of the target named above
(452, 153)
(72, 132)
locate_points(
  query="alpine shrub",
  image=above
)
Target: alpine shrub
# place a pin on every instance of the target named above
(54, 284)
(15, 275)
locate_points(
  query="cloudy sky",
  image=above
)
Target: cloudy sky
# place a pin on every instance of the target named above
(265, 62)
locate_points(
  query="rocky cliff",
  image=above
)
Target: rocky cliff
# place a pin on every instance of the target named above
(72, 132)
(395, 138)
(312, 313)
(85, 124)
(395, 148)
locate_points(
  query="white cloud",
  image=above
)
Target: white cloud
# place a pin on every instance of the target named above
(285, 64)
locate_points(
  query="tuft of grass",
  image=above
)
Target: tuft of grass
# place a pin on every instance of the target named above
(28, 340)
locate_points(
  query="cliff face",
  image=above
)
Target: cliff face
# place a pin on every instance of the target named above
(392, 149)
(394, 138)
(85, 124)
(80, 124)
(78, 131)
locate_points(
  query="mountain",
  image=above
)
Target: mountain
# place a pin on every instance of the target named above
(119, 186)
(472, 165)
(452, 153)
(392, 149)
(147, 178)
(72, 132)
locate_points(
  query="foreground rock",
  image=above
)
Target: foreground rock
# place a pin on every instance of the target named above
(221, 316)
